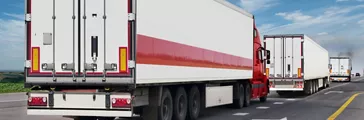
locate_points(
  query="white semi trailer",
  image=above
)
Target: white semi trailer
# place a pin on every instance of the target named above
(298, 64)
(340, 69)
(101, 59)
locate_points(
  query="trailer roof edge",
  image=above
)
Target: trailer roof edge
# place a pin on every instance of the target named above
(234, 7)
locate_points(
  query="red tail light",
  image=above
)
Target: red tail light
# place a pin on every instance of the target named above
(299, 84)
(121, 102)
(37, 101)
(271, 85)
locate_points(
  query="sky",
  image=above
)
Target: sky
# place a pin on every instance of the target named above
(337, 25)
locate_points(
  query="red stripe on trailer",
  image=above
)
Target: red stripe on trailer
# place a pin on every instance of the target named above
(29, 25)
(151, 50)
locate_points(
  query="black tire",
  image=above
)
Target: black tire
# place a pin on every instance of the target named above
(239, 103)
(317, 85)
(325, 83)
(263, 99)
(247, 93)
(165, 110)
(194, 103)
(180, 104)
(314, 86)
(306, 88)
(311, 87)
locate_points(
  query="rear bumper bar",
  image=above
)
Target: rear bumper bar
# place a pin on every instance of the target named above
(286, 89)
(75, 103)
(63, 112)
(285, 84)
(342, 78)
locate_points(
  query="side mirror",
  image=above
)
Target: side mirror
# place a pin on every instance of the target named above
(330, 66)
(268, 54)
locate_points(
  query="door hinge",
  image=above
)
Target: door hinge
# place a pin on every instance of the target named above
(28, 17)
(131, 64)
(131, 16)
(27, 64)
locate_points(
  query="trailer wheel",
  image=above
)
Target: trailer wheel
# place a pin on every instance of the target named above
(308, 87)
(194, 102)
(311, 87)
(239, 103)
(166, 107)
(263, 99)
(180, 104)
(247, 93)
(314, 86)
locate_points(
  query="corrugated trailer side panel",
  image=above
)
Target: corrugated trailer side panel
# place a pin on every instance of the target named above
(316, 60)
(209, 43)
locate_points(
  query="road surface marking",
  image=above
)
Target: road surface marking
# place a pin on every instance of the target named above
(241, 114)
(285, 118)
(262, 107)
(278, 103)
(342, 108)
(333, 92)
(283, 99)
(313, 95)
(290, 99)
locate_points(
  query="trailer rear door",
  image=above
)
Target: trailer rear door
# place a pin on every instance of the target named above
(105, 37)
(340, 66)
(345, 67)
(335, 66)
(68, 38)
(286, 55)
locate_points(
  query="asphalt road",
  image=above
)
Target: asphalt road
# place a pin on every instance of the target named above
(332, 102)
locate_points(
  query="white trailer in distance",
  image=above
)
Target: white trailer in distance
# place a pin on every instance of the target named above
(340, 69)
(297, 64)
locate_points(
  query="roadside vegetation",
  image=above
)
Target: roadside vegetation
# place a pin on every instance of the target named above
(11, 82)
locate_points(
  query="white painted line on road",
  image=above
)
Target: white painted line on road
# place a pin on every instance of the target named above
(241, 114)
(282, 99)
(262, 107)
(13, 101)
(278, 103)
(291, 99)
(333, 92)
(285, 118)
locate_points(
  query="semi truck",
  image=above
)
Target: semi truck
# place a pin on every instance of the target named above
(340, 69)
(298, 64)
(101, 59)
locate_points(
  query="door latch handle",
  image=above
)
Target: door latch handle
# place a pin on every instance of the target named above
(289, 67)
(94, 47)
